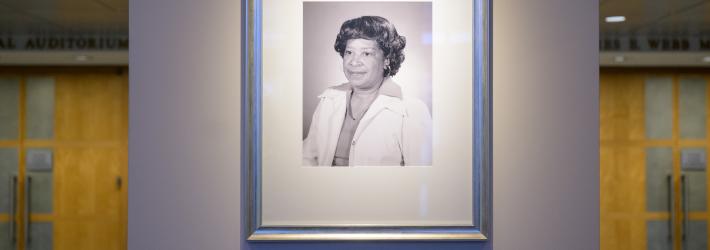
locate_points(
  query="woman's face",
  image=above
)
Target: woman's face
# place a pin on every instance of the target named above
(363, 64)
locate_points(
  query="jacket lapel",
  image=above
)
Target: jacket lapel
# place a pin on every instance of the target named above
(381, 104)
(335, 125)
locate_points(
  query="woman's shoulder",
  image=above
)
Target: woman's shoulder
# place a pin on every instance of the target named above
(411, 102)
(335, 91)
(415, 107)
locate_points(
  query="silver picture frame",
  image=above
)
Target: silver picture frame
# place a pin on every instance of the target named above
(252, 162)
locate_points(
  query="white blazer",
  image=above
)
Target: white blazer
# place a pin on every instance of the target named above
(395, 130)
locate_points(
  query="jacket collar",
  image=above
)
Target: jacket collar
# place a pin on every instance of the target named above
(389, 88)
(389, 96)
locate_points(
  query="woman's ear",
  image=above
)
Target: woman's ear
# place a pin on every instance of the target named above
(387, 63)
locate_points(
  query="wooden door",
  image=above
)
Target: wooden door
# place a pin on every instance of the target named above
(653, 148)
(76, 120)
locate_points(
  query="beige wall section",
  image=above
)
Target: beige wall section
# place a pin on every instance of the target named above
(184, 128)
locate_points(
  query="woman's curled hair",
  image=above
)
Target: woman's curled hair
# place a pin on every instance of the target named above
(377, 29)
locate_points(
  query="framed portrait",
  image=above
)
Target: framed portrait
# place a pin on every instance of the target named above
(366, 120)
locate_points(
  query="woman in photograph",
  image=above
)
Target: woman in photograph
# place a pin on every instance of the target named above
(368, 121)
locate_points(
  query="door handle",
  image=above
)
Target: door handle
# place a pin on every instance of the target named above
(28, 196)
(686, 206)
(671, 208)
(12, 199)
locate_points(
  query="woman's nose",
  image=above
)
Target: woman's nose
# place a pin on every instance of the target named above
(355, 61)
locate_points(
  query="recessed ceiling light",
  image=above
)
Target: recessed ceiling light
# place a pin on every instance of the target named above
(82, 58)
(619, 59)
(706, 59)
(615, 19)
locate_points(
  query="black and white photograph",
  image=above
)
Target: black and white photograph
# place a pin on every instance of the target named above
(367, 84)
(354, 103)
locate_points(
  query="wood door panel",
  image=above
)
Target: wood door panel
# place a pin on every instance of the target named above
(91, 152)
(630, 152)
(91, 108)
(86, 181)
(621, 108)
(622, 162)
(88, 235)
(622, 176)
(89, 144)
(623, 234)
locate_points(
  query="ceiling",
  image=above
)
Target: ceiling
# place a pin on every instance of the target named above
(53, 16)
(643, 17)
(663, 18)
(656, 17)
(71, 17)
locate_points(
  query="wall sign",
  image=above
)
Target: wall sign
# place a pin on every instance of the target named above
(39, 159)
(650, 43)
(62, 43)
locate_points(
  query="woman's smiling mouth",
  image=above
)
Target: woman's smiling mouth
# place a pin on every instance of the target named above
(357, 74)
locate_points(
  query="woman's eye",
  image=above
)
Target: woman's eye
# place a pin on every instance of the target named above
(347, 52)
(367, 54)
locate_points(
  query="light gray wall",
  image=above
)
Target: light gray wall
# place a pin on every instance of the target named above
(546, 124)
(184, 102)
(184, 189)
